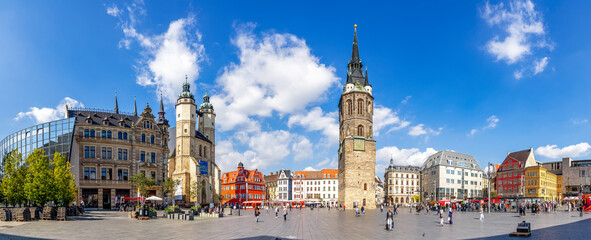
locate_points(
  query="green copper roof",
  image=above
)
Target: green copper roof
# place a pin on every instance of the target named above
(186, 93)
(206, 103)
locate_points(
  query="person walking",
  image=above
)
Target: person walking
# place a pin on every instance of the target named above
(441, 220)
(450, 216)
(382, 208)
(389, 220)
(284, 213)
(362, 209)
(257, 212)
(481, 215)
(276, 211)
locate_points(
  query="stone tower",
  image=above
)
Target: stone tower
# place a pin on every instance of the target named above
(357, 149)
(207, 121)
(185, 131)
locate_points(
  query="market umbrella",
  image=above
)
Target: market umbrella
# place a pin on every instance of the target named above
(127, 198)
(154, 198)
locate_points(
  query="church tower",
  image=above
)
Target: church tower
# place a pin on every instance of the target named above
(185, 131)
(207, 121)
(357, 149)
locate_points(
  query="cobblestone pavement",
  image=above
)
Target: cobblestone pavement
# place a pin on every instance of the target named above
(302, 224)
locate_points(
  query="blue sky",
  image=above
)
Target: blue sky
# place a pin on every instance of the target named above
(478, 77)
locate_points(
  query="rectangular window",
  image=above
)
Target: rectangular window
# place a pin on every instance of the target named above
(92, 173)
(86, 151)
(103, 174)
(143, 156)
(92, 155)
(153, 174)
(86, 173)
(153, 157)
(120, 154)
(124, 154)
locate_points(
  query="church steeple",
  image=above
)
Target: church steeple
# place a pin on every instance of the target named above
(186, 93)
(355, 67)
(116, 104)
(161, 119)
(134, 107)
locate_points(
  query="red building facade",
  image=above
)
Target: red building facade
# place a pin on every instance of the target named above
(510, 175)
(242, 186)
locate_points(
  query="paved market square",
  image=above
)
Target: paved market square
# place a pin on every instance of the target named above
(302, 224)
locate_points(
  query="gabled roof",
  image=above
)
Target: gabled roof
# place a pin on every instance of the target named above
(314, 175)
(520, 156)
(271, 178)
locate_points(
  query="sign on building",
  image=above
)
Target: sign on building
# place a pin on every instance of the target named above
(202, 167)
(178, 189)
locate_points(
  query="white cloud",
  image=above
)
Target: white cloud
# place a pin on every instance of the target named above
(167, 57)
(44, 114)
(492, 122)
(519, 21)
(540, 65)
(383, 117)
(552, 151)
(524, 33)
(310, 169)
(420, 129)
(518, 74)
(264, 149)
(410, 156)
(275, 72)
(317, 120)
(328, 163)
(579, 121)
(406, 99)
(302, 149)
(113, 11)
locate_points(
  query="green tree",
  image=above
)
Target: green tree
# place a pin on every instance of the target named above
(13, 182)
(168, 188)
(195, 191)
(2, 173)
(39, 178)
(141, 182)
(63, 180)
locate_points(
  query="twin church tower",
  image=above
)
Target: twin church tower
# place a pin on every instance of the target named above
(357, 148)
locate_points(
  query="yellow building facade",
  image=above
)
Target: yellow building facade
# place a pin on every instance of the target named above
(539, 183)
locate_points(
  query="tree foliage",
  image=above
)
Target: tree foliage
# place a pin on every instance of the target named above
(168, 188)
(142, 183)
(39, 187)
(63, 180)
(195, 191)
(13, 181)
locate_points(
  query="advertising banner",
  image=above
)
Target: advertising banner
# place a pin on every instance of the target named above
(178, 189)
(202, 167)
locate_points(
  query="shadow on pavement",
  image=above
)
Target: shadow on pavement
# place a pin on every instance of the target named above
(264, 238)
(575, 230)
(14, 237)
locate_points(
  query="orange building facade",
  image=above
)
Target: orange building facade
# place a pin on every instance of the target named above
(242, 186)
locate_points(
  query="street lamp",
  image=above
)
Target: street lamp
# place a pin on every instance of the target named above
(489, 178)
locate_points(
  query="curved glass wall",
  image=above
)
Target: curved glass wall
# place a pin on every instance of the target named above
(51, 137)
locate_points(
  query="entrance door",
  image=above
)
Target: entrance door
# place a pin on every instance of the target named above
(106, 198)
(364, 202)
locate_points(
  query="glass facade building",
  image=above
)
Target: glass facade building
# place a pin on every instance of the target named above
(51, 137)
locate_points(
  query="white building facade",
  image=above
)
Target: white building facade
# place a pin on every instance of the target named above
(450, 175)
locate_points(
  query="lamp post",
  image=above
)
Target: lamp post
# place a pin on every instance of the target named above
(489, 178)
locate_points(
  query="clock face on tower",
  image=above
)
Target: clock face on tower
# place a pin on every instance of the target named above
(359, 144)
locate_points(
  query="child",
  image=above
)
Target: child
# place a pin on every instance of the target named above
(441, 220)
(481, 215)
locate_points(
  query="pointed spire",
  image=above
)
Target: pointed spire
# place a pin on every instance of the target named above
(391, 160)
(366, 81)
(134, 107)
(116, 104)
(355, 52)
(161, 118)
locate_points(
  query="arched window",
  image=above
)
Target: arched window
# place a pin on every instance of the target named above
(143, 137)
(396, 200)
(360, 106)
(360, 130)
(365, 187)
(109, 135)
(92, 132)
(124, 135)
(103, 133)
(152, 139)
(86, 132)
(349, 107)
(119, 135)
